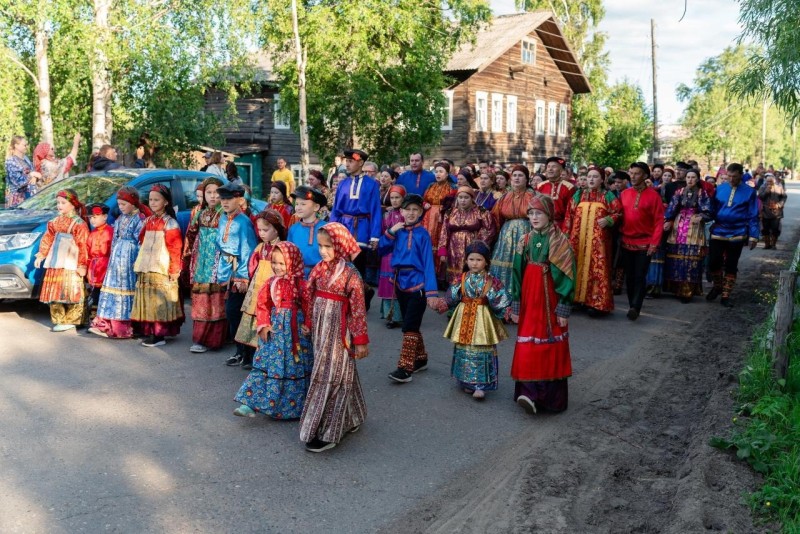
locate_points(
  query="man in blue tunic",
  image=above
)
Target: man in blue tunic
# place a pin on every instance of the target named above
(734, 207)
(358, 207)
(236, 241)
(416, 180)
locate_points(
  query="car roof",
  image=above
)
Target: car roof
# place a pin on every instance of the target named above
(148, 173)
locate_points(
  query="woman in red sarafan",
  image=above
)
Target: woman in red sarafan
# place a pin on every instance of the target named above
(591, 215)
(544, 279)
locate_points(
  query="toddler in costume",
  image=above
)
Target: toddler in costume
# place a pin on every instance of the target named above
(99, 249)
(480, 300)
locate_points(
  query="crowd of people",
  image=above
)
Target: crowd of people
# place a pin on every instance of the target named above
(291, 285)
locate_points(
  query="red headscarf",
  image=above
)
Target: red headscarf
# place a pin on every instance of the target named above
(131, 195)
(293, 259)
(72, 197)
(398, 189)
(344, 244)
(40, 154)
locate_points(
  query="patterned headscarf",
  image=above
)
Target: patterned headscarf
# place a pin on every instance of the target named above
(467, 190)
(72, 197)
(293, 259)
(560, 251)
(542, 203)
(398, 189)
(131, 195)
(344, 244)
(274, 218)
(40, 154)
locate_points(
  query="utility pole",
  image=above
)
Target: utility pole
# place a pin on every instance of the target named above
(655, 89)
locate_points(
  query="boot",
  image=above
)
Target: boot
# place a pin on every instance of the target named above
(727, 287)
(716, 278)
(421, 357)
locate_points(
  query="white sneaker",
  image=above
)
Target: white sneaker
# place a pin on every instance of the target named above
(97, 332)
(197, 347)
(527, 404)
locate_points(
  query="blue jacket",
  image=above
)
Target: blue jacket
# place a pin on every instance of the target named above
(358, 207)
(410, 179)
(735, 213)
(412, 259)
(236, 242)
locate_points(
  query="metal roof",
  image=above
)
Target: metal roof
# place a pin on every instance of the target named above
(505, 31)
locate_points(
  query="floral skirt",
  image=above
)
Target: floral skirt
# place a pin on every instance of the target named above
(475, 366)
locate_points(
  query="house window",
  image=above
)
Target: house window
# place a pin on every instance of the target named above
(280, 117)
(551, 118)
(562, 119)
(511, 114)
(528, 52)
(481, 104)
(540, 117)
(497, 112)
(447, 119)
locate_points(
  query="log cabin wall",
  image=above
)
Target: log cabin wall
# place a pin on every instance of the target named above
(542, 81)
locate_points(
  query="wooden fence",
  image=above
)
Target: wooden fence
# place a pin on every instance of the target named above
(784, 319)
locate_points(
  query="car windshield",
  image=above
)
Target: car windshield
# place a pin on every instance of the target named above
(90, 188)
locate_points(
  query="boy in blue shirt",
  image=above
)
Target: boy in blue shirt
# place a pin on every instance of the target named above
(415, 283)
(303, 233)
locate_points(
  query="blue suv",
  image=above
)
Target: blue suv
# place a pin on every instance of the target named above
(22, 227)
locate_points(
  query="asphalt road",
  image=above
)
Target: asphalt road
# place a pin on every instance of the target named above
(99, 435)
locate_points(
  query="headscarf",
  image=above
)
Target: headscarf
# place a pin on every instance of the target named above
(131, 195)
(72, 197)
(40, 154)
(293, 259)
(467, 174)
(523, 169)
(478, 247)
(274, 218)
(443, 164)
(344, 244)
(466, 189)
(398, 189)
(560, 251)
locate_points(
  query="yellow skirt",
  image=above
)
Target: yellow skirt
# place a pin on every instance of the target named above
(480, 328)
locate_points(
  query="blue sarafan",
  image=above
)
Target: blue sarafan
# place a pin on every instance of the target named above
(22, 227)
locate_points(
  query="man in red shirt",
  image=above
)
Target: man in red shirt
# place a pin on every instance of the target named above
(642, 228)
(557, 189)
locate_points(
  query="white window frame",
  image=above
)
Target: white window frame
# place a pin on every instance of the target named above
(497, 112)
(279, 118)
(540, 117)
(511, 114)
(552, 118)
(531, 49)
(447, 123)
(562, 119)
(481, 112)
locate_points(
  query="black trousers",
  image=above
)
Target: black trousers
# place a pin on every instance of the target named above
(412, 307)
(233, 312)
(635, 263)
(724, 254)
(771, 227)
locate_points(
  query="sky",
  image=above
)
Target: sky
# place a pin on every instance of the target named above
(706, 29)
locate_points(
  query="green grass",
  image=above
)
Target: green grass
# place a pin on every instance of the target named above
(767, 431)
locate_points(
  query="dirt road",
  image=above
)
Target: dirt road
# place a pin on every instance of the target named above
(631, 454)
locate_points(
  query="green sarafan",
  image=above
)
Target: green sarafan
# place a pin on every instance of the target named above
(772, 69)
(115, 70)
(374, 69)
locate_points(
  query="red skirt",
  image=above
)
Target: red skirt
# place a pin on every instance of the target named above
(542, 349)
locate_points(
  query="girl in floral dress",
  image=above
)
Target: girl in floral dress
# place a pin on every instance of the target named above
(282, 365)
(390, 308)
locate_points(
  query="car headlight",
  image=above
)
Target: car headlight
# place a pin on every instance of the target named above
(17, 241)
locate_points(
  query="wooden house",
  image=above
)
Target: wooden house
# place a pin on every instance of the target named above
(510, 102)
(512, 96)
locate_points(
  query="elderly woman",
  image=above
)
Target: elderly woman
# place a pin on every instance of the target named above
(773, 197)
(51, 168)
(511, 214)
(592, 213)
(21, 178)
(687, 245)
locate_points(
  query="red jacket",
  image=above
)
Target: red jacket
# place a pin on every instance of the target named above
(642, 218)
(99, 245)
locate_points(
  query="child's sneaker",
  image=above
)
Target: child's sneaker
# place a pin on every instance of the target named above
(420, 365)
(527, 404)
(154, 341)
(63, 327)
(198, 348)
(97, 332)
(317, 445)
(400, 375)
(244, 411)
(235, 360)
(478, 394)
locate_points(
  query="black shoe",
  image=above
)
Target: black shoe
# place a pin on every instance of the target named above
(153, 341)
(686, 300)
(247, 365)
(633, 314)
(592, 312)
(420, 365)
(317, 445)
(726, 301)
(714, 293)
(392, 324)
(368, 294)
(400, 375)
(234, 360)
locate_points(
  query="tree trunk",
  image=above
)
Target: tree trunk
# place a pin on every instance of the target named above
(301, 88)
(43, 83)
(101, 83)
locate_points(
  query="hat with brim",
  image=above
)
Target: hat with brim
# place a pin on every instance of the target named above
(556, 159)
(356, 154)
(411, 199)
(230, 190)
(304, 192)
